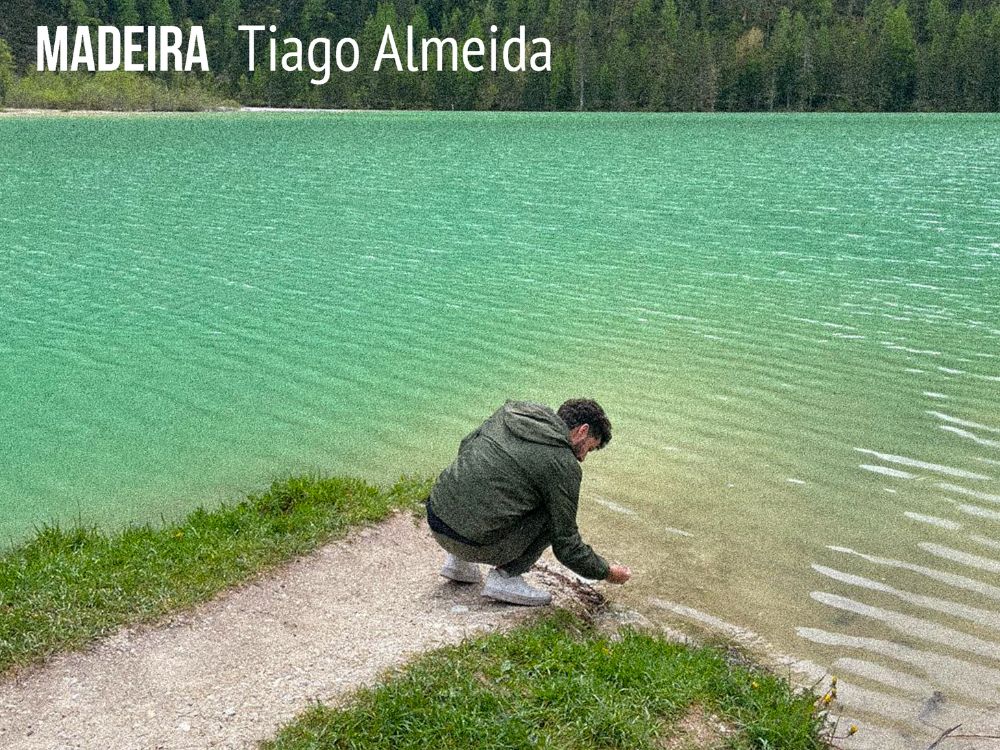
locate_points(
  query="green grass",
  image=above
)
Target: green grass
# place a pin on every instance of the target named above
(64, 588)
(114, 91)
(559, 684)
(556, 683)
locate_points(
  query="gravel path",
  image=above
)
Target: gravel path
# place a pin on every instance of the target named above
(229, 673)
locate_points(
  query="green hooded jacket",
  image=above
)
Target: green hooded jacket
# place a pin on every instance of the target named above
(518, 461)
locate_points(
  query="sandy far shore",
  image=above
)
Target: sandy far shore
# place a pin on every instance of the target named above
(307, 110)
(229, 673)
(80, 113)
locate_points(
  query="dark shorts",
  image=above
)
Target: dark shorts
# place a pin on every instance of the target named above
(440, 527)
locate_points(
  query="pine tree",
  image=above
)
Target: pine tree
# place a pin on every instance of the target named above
(708, 73)
(897, 60)
(787, 53)
(642, 32)
(421, 85)
(467, 85)
(746, 84)
(825, 81)
(124, 13)
(665, 53)
(76, 13)
(970, 67)
(582, 47)
(228, 53)
(851, 67)
(155, 12)
(561, 94)
(936, 89)
(992, 56)
(6, 70)
(687, 82)
(318, 18)
(378, 87)
(619, 71)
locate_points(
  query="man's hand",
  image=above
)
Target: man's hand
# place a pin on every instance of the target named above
(618, 574)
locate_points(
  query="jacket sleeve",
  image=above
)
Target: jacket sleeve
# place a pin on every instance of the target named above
(568, 547)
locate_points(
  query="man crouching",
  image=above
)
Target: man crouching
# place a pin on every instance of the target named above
(513, 491)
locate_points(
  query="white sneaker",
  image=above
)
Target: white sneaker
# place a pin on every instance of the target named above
(514, 590)
(460, 570)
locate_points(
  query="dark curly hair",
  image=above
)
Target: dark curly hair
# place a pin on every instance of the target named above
(578, 411)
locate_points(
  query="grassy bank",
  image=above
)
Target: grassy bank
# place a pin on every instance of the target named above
(114, 91)
(66, 587)
(555, 683)
(559, 684)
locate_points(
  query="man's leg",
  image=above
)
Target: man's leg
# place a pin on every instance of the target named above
(512, 555)
(523, 562)
(506, 584)
(515, 553)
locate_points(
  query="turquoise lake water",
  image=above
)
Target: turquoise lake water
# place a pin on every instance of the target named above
(792, 321)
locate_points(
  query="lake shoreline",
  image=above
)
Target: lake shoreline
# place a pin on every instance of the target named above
(234, 666)
(16, 112)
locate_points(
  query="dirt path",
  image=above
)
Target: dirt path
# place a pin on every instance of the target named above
(229, 673)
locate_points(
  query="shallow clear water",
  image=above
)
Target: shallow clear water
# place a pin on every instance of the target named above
(793, 322)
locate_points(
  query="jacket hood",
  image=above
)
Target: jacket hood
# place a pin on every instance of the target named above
(535, 423)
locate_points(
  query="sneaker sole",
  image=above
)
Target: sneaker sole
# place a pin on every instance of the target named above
(453, 575)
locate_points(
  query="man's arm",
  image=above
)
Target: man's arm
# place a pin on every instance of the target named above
(567, 545)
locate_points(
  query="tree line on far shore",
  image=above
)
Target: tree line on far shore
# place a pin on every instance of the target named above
(646, 55)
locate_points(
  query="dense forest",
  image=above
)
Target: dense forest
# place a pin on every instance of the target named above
(704, 55)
